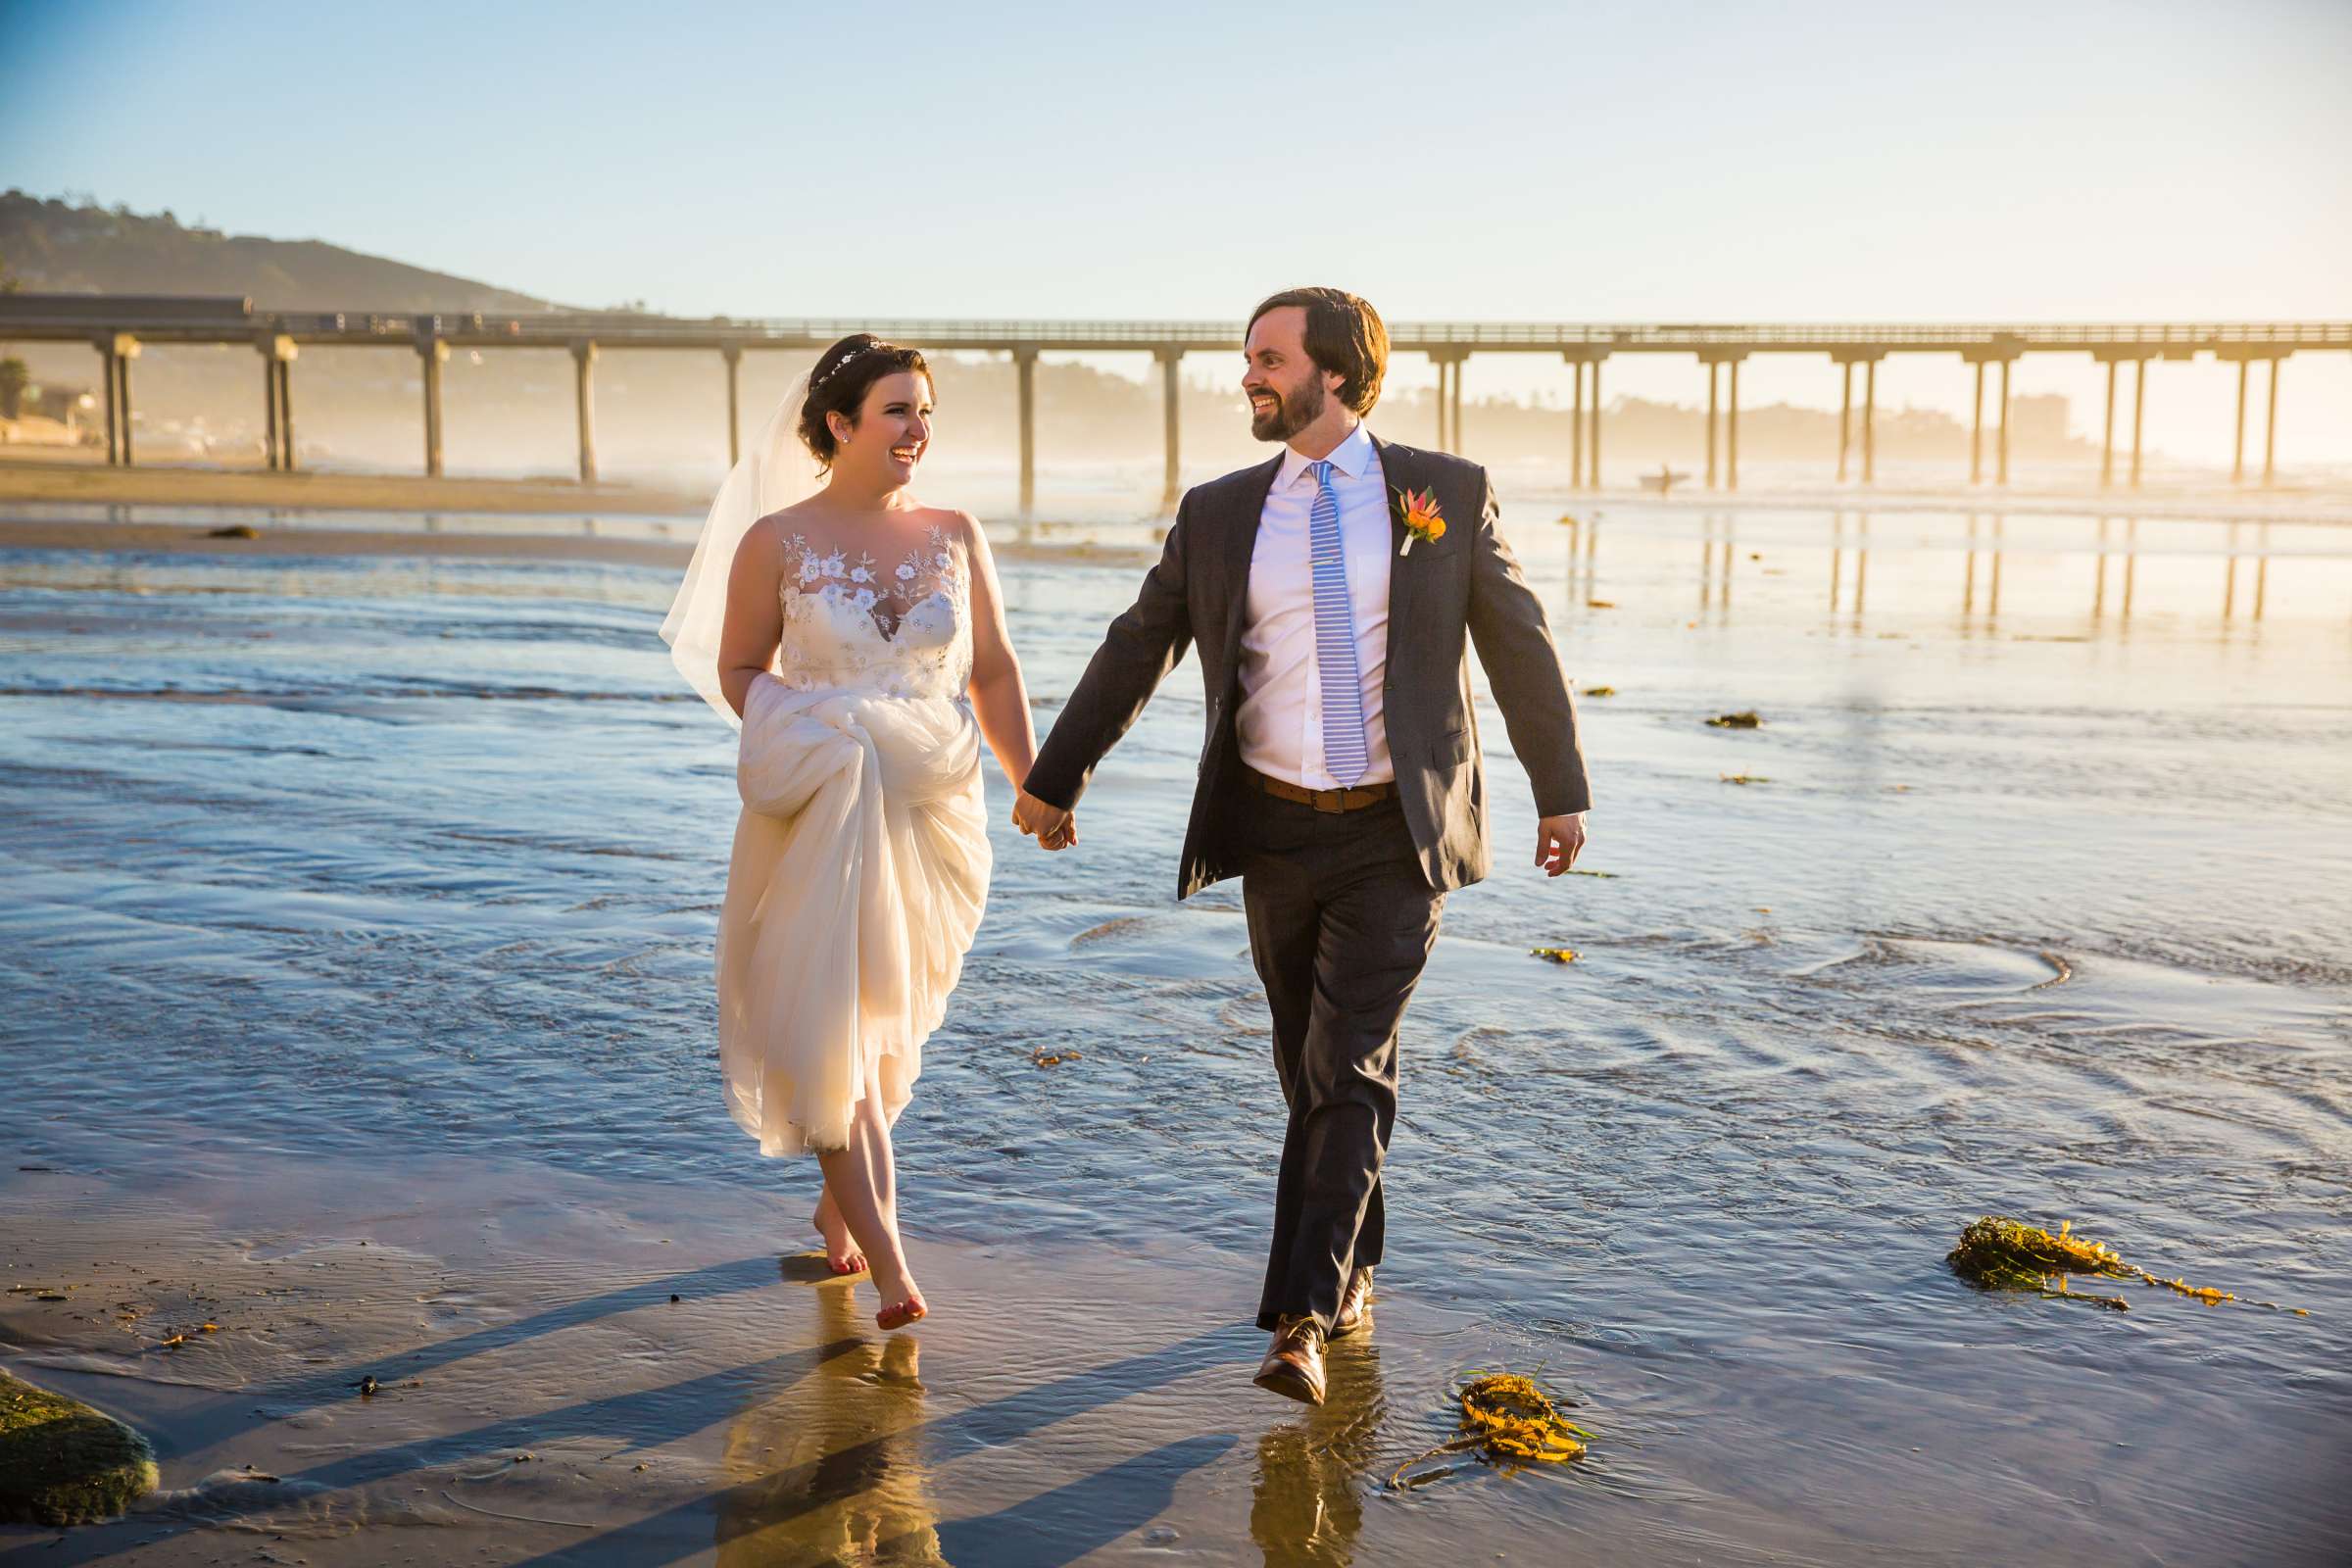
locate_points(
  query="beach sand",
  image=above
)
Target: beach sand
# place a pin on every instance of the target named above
(356, 961)
(163, 538)
(602, 1372)
(34, 480)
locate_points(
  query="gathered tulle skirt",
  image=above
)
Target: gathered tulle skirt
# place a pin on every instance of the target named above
(859, 872)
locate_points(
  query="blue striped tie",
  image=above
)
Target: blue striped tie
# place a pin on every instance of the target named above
(1344, 753)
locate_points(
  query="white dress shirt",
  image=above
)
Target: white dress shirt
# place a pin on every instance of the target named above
(1280, 719)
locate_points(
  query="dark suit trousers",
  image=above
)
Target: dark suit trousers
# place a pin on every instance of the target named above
(1340, 922)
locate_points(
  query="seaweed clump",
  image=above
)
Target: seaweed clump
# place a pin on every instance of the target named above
(2003, 1254)
(1748, 719)
(1507, 1420)
(2000, 1253)
(64, 1463)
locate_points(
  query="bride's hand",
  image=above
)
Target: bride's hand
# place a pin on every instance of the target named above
(1053, 827)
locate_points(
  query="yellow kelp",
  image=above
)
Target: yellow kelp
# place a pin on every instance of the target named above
(2000, 1253)
(1510, 1421)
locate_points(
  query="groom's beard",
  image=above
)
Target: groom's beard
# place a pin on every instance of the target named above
(1290, 414)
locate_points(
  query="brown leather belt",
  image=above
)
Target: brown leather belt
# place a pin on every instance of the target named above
(1355, 800)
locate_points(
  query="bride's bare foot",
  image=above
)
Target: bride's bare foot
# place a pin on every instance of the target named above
(909, 1308)
(901, 1299)
(841, 1252)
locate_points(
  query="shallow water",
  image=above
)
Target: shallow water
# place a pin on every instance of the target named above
(2037, 904)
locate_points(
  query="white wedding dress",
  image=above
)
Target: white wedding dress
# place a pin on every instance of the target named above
(861, 857)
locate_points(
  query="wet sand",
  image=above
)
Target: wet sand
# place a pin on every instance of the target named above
(34, 480)
(461, 535)
(159, 538)
(369, 900)
(596, 1372)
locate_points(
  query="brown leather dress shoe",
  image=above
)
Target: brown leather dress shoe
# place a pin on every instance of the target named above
(1355, 1305)
(1294, 1364)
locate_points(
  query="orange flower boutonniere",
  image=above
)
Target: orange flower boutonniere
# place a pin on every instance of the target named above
(1422, 518)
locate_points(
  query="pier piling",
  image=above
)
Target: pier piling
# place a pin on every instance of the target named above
(285, 409)
(1870, 421)
(115, 351)
(1170, 395)
(1576, 426)
(2001, 474)
(1846, 412)
(2270, 433)
(1731, 430)
(732, 354)
(2139, 406)
(1593, 445)
(1711, 379)
(278, 353)
(1025, 363)
(268, 409)
(583, 361)
(2237, 445)
(434, 354)
(1975, 431)
(1711, 359)
(2107, 458)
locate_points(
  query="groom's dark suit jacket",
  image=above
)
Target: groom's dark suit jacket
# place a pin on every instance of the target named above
(1443, 596)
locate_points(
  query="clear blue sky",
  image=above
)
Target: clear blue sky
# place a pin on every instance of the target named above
(2065, 158)
(1667, 161)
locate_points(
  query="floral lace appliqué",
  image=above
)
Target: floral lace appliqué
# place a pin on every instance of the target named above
(851, 621)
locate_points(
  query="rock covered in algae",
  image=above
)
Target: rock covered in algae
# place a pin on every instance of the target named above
(64, 1463)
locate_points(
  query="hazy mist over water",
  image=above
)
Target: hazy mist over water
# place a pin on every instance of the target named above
(662, 419)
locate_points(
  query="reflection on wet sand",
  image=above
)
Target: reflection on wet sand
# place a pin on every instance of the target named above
(1309, 1504)
(1715, 582)
(1983, 544)
(832, 1471)
(829, 1469)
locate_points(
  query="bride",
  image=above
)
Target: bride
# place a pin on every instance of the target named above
(858, 638)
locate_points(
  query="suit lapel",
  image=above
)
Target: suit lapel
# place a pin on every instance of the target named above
(1397, 471)
(1240, 535)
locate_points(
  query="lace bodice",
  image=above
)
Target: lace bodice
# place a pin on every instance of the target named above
(900, 628)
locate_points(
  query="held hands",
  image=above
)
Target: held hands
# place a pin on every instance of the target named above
(1053, 827)
(1559, 839)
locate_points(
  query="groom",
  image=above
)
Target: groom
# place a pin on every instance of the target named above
(1332, 592)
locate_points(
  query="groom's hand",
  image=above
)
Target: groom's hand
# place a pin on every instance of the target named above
(1557, 841)
(1053, 827)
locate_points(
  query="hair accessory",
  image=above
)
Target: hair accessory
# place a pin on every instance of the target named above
(833, 368)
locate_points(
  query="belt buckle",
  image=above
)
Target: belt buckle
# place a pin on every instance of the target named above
(1331, 802)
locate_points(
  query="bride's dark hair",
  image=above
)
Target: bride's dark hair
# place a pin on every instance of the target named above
(837, 385)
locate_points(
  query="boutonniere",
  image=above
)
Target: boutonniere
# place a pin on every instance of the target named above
(1422, 518)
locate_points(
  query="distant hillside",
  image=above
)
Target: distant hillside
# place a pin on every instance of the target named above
(53, 247)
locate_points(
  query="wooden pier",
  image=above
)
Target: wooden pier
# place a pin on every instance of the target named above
(118, 325)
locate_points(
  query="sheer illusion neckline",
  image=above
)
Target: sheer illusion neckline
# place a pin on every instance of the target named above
(886, 592)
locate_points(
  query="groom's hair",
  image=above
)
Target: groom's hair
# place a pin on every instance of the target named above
(1345, 336)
